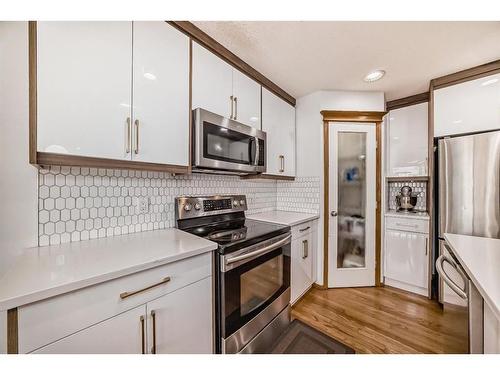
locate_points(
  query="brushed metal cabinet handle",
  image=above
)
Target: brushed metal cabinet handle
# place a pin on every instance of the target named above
(282, 163)
(130, 294)
(136, 122)
(231, 99)
(304, 229)
(426, 246)
(305, 249)
(143, 336)
(235, 108)
(153, 316)
(129, 131)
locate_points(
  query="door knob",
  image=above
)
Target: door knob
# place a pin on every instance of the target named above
(334, 213)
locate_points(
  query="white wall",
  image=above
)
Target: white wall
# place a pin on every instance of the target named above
(310, 137)
(18, 183)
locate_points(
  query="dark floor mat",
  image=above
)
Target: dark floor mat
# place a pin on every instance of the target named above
(299, 338)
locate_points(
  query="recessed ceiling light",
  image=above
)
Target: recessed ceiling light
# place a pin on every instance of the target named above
(489, 82)
(374, 76)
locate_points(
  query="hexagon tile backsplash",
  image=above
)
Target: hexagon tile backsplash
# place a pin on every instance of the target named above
(82, 203)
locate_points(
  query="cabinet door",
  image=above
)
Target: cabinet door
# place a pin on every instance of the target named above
(247, 100)
(161, 94)
(182, 320)
(278, 120)
(408, 141)
(301, 266)
(122, 334)
(406, 257)
(468, 107)
(84, 88)
(212, 82)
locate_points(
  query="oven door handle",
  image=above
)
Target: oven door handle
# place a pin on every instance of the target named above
(258, 252)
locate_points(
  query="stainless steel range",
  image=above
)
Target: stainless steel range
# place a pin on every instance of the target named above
(252, 271)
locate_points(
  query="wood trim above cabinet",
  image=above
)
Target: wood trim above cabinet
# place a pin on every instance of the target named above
(408, 101)
(267, 177)
(353, 116)
(470, 74)
(47, 158)
(207, 41)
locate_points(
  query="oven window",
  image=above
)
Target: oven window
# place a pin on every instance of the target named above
(259, 284)
(227, 145)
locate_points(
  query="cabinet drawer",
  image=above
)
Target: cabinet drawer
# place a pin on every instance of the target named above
(47, 321)
(304, 229)
(407, 224)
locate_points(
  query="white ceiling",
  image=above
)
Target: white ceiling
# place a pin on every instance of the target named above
(303, 57)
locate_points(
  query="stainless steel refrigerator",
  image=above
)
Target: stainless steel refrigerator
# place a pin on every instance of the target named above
(468, 190)
(468, 203)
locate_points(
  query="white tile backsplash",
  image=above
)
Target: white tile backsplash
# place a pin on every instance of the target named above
(82, 203)
(301, 195)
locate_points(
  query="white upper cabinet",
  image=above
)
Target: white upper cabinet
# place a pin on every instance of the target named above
(84, 87)
(278, 121)
(467, 107)
(160, 94)
(246, 94)
(221, 89)
(407, 141)
(212, 82)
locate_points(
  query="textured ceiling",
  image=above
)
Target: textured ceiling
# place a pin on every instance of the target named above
(303, 57)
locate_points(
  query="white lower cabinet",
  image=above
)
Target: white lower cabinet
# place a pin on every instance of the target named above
(407, 259)
(302, 259)
(181, 322)
(121, 334)
(166, 309)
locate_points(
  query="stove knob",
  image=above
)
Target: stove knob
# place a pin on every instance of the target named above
(242, 202)
(197, 206)
(187, 207)
(236, 203)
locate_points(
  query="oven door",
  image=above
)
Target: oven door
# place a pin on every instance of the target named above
(255, 288)
(223, 144)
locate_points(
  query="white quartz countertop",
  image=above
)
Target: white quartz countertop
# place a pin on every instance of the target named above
(43, 272)
(284, 217)
(480, 258)
(409, 215)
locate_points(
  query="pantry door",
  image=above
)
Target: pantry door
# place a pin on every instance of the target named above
(352, 204)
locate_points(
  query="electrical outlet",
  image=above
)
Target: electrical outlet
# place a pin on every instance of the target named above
(143, 205)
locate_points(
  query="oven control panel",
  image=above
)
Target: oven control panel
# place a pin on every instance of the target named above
(188, 207)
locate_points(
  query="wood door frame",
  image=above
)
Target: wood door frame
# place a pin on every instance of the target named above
(362, 117)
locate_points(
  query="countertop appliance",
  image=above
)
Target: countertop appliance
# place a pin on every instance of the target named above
(226, 146)
(251, 270)
(468, 202)
(406, 200)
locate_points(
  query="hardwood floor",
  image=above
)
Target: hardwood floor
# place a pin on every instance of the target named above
(382, 320)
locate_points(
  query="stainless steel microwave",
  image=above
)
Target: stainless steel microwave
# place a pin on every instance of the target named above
(222, 145)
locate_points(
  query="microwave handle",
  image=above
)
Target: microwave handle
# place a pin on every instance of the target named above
(257, 151)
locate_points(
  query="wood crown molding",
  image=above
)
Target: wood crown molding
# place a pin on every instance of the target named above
(407, 101)
(470, 74)
(353, 116)
(207, 41)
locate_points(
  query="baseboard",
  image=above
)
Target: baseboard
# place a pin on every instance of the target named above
(407, 287)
